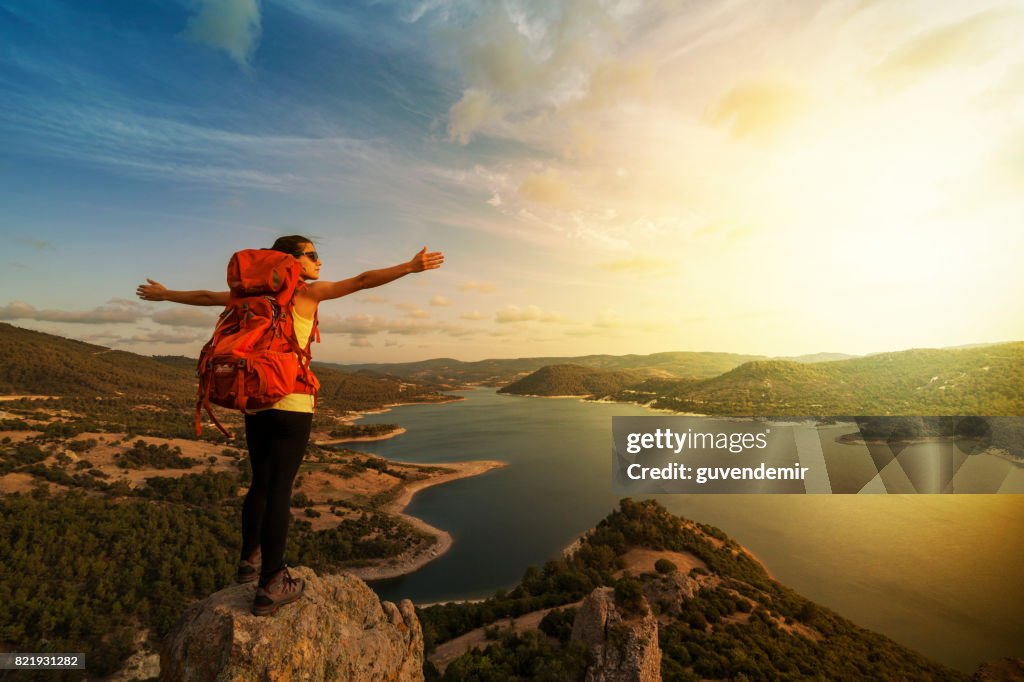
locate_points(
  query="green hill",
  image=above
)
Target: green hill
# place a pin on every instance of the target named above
(498, 372)
(572, 380)
(987, 380)
(43, 364)
(720, 617)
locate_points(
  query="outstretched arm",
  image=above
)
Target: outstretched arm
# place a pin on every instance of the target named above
(323, 291)
(154, 291)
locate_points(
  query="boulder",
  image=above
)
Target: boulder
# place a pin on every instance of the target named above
(337, 630)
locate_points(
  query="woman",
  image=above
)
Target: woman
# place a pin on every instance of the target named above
(277, 436)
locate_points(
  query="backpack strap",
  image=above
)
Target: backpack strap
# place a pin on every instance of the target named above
(203, 397)
(203, 402)
(305, 354)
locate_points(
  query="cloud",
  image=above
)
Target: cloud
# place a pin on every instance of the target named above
(105, 314)
(590, 331)
(185, 317)
(531, 313)
(499, 49)
(475, 315)
(413, 310)
(967, 41)
(547, 187)
(608, 319)
(229, 25)
(361, 342)
(479, 287)
(359, 324)
(474, 111)
(759, 109)
(638, 265)
(522, 61)
(111, 131)
(617, 80)
(367, 325)
(125, 302)
(41, 244)
(373, 298)
(440, 301)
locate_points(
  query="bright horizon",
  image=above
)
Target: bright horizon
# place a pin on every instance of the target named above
(604, 178)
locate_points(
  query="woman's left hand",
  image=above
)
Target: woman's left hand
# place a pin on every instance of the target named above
(426, 261)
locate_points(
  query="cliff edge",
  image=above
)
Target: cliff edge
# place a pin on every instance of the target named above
(338, 630)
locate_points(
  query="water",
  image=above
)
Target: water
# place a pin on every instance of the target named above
(941, 574)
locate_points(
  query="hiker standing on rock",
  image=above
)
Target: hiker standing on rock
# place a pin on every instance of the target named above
(276, 435)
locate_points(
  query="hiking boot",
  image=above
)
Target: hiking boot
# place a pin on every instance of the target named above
(282, 589)
(248, 569)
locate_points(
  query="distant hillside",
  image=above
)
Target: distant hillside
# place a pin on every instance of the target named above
(108, 386)
(498, 372)
(987, 380)
(572, 380)
(818, 357)
(351, 391)
(43, 364)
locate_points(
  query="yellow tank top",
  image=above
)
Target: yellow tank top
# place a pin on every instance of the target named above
(296, 402)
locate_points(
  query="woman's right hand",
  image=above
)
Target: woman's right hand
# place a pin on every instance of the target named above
(154, 291)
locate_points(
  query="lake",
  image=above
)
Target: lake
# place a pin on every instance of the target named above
(941, 574)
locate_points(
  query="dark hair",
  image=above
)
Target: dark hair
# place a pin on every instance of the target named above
(292, 244)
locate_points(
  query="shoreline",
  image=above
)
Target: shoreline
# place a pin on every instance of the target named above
(605, 401)
(356, 415)
(403, 565)
(552, 397)
(9, 398)
(360, 439)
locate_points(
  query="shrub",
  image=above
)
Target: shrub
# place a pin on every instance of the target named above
(629, 596)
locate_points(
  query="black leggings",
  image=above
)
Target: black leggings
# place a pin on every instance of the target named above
(277, 442)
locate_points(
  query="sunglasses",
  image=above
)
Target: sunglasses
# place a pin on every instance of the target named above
(313, 256)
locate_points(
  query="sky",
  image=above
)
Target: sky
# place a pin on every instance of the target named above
(775, 178)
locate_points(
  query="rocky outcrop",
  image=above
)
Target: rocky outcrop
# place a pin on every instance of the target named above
(669, 593)
(624, 649)
(338, 630)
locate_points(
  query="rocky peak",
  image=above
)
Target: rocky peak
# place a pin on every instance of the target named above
(624, 648)
(338, 630)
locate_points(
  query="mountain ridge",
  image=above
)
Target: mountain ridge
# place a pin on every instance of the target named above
(981, 380)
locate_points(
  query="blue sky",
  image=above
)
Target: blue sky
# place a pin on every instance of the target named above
(619, 177)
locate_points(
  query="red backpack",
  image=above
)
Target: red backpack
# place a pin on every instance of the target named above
(253, 358)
